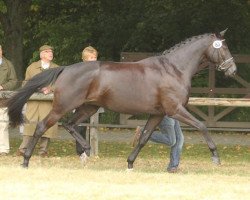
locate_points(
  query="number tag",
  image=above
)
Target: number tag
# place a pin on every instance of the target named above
(217, 44)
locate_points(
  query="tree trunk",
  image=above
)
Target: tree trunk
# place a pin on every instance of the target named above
(12, 22)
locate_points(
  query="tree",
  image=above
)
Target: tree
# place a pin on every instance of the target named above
(65, 25)
(12, 15)
(114, 26)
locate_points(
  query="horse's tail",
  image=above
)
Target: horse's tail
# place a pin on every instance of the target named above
(15, 103)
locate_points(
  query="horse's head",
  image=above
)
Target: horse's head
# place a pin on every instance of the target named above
(219, 54)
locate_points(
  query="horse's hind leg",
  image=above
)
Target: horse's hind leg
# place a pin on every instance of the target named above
(41, 128)
(184, 116)
(152, 122)
(82, 113)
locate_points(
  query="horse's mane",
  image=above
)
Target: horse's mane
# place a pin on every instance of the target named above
(188, 40)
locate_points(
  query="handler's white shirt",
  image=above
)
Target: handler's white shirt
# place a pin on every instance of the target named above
(45, 65)
(4, 132)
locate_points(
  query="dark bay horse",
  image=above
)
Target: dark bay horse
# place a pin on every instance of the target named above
(157, 85)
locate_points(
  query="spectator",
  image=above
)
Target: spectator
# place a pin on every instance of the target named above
(8, 81)
(37, 110)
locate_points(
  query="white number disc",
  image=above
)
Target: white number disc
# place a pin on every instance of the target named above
(217, 44)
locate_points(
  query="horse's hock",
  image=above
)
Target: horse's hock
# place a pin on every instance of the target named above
(214, 112)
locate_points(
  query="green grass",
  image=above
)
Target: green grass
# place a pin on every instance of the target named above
(230, 154)
(117, 149)
(120, 149)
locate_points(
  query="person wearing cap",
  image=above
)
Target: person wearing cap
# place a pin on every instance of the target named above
(37, 110)
(8, 81)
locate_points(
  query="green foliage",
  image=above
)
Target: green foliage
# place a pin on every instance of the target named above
(1, 35)
(3, 8)
(109, 117)
(139, 25)
(64, 25)
(238, 115)
(166, 23)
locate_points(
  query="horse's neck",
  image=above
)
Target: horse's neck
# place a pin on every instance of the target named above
(187, 58)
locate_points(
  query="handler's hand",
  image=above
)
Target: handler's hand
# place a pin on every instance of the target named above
(46, 90)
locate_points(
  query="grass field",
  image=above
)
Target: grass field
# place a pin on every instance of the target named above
(63, 176)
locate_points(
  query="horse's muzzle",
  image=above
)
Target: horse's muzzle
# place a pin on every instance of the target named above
(231, 69)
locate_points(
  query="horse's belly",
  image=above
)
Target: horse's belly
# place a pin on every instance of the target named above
(132, 106)
(126, 95)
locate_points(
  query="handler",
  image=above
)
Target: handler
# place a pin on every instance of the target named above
(37, 110)
(171, 135)
(89, 53)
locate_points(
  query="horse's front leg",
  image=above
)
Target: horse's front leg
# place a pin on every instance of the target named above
(184, 116)
(152, 122)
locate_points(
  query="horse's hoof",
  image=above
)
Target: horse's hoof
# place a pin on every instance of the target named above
(24, 166)
(87, 152)
(130, 165)
(84, 158)
(216, 160)
(129, 169)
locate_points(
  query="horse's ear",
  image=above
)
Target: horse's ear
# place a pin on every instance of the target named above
(222, 33)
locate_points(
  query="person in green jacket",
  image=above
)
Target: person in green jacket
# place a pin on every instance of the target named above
(8, 81)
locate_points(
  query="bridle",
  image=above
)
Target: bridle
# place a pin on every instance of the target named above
(221, 66)
(217, 44)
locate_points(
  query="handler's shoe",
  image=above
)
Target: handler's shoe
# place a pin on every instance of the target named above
(3, 154)
(136, 136)
(44, 154)
(173, 170)
(84, 158)
(19, 153)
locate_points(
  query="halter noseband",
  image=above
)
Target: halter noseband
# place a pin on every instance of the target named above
(220, 67)
(217, 44)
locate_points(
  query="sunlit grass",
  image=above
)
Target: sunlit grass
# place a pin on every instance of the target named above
(63, 176)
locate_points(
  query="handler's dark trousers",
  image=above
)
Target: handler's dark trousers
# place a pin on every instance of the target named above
(82, 131)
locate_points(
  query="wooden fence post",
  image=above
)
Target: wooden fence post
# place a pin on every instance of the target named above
(93, 134)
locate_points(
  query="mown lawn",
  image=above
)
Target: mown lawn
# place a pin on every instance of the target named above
(63, 176)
